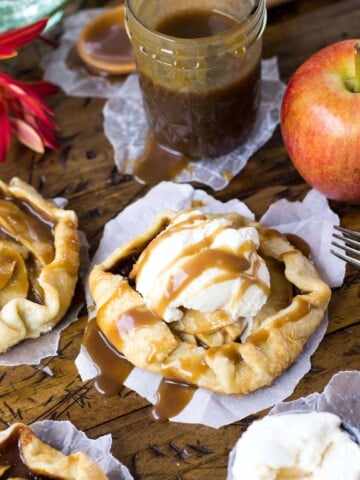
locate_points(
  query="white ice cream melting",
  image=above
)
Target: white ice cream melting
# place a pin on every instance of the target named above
(300, 446)
(196, 264)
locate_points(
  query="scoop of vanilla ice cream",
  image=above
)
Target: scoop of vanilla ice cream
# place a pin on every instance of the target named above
(204, 264)
(297, 446)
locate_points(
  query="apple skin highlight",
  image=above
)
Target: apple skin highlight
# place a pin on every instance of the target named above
(320, 122)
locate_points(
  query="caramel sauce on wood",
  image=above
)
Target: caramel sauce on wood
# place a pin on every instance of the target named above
(113, 367)
(10, 455)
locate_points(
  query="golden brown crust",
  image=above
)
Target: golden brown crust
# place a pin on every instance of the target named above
(42, 459)
(54, 267)
(278, 334)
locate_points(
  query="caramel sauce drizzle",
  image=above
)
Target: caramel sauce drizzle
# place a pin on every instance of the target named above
(172, 397)
(21, 223)
(232, 265)
(113, 367)
(299, 308)
(203, 257)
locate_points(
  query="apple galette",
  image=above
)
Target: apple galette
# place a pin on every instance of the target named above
(39, 259)
(217, 301)
(23, 455)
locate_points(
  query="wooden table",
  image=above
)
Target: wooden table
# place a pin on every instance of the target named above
(83, 171)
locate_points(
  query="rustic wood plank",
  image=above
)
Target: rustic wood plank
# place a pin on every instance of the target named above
(83, 172)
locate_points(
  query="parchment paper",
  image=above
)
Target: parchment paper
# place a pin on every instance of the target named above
(309, 217)
(76, 80)
(65, 437)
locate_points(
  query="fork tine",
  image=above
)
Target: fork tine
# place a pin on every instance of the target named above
(347, 241)
(345, 231)
(346, 249)
(352, 261)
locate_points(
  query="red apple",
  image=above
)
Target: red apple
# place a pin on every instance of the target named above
(320, 120)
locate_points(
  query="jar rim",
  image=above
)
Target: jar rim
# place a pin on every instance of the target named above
(250, 27)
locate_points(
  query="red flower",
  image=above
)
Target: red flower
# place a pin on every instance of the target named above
(22, 109)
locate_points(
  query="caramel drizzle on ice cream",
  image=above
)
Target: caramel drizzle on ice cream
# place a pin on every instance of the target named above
(201, 256)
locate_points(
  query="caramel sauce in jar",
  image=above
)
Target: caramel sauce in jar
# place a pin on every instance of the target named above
(199, 71)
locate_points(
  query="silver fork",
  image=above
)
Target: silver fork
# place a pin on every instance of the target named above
(350, 245)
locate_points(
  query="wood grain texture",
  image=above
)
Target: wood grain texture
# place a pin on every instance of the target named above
(83, 171)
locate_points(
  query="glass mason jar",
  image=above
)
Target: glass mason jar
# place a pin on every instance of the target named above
(200, 94)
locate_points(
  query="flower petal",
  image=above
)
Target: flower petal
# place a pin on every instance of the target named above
(10, 41)
(42, 88)
(27, 135)
(30, 100)
(4, 132)
(48, 136)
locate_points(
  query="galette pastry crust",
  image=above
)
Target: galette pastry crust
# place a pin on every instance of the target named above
(42, 459)
(223, 364)
(29, 261)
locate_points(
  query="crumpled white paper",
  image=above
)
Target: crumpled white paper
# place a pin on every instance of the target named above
(126, 128)
(63, 436)
(340, 396)
(76, 81)
(313, 214)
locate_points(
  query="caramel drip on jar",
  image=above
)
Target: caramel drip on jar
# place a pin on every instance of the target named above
(299, 308)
